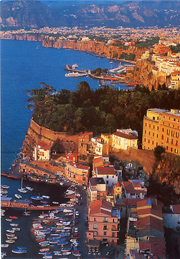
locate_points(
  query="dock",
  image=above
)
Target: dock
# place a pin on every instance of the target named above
(24, 204)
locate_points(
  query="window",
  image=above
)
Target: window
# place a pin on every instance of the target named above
(146, 124)
(105, 219)
(94, 219)
(162, 129)
(157, 127)
(105, 233)
(176, 142)
(172, 133)
(148, 141)
(177, 134)
(176, 150)
(113, 234)
(95, 226)
(153, 127)
(149, 125)
(153, 118)
(113, 220)
(149, 133)
(168, 131)
(162, 137)
(95, 233)
(157, 135)
(144, 139)
(166, 147)
(167, 140)
(105, 227)
(145, 131)
(172, 141)
(152, 142)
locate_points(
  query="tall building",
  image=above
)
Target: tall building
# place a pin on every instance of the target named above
(162, 128)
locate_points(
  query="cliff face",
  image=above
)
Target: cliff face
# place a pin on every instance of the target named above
(37, 133)
(143, 74)
(99, 48)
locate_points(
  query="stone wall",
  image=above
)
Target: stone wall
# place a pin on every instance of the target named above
(38, 133)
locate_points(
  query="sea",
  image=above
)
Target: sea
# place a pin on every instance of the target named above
(24, 65)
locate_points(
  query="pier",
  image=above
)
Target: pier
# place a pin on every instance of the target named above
(24, 204)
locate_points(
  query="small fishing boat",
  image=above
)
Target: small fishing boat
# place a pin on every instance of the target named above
(9, 220)
(15, 237)
(13, 217)
(16, 229)
(48, 256)
(19, 251)
(46, 197)
(38, 198)
(29, 188)
(10, 241)
(43, 202)
(3, 254)
(23, 190)
(55, 202)
(13, 225)
(18, 196)
(66, 253)
(4, 245)
(10, 230)
(22, 247)
(5, 186)
(27, 213)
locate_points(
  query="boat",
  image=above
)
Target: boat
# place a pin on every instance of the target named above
(74, 66)
(22, 247)
(19, 251)
(75, 74)
(13, 225)
(22, 190)
(13, 217)
(9, 220)
(29, 188)
(15, 237)
(66, 253)
(48, 256)
(55, 202)
(10, 241)
(46, 196)
(4, 245)
(16, 229)
(43, 202)
(5, 186)
(38, 198)
(3, 254)
(10, 230)
(27, 213)
(18, 196)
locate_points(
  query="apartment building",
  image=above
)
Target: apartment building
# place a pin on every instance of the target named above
(175, 80)
(124, 138)
(97, 189)
(108, 173)
(77, 173)
(83, 143)
(103, 222)
(162, 128)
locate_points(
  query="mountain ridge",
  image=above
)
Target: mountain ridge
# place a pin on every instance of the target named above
(34, 14)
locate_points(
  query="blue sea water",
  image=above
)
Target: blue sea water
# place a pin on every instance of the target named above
(24, 65)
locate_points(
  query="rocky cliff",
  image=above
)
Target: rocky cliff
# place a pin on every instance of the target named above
(99, 48)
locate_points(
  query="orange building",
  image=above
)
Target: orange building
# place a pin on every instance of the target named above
(77, 173)
(83, 143)
(103, 221)
(162, 128)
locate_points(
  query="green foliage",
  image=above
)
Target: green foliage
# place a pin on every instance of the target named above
(148, 43)
(96, 71)
(158, 152)
(57, 147)
(102, 110)
(175, 49)
(127, 56)
(115, 55)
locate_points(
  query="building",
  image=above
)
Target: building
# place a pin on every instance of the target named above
(77, 173)
(108, 174)
(171, 217)
(175, 80)
(162, 128)
(103, 222)
(84, 142)
(145, 231)
(72, 157)
(99, 147)
(97, 189)
(124, 139)
(133, 189)
(42, 151)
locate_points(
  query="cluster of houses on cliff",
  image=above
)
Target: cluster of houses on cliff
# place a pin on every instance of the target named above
(114, 202)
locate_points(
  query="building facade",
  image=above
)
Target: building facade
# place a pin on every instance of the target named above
(103, 221)
(162, 128)
(42, 151)
(77, 173)
(124, 139)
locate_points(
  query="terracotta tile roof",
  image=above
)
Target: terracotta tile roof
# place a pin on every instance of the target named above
(97, 159)
(105, 170)
(43, 145)
(135, 191)
(176, 209)
(150, 222)
(123, 135)
(136, 185)
(100, 206)
(128, 186)
(86, 134)
(148, 211)
(175, 73)
(156, 246)
(118, 184)
(79, 166)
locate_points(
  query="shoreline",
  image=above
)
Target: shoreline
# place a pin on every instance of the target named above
(88, 52)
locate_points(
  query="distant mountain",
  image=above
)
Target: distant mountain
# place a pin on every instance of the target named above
(35, 14)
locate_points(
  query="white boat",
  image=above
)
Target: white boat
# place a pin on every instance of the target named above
(9, 220)
(5, 186)
(46, 196)
(3, 254)
(13, 225)
(29, 188)
(10, 241)
(55, 202)
(10, 230)
(38, 198)
(16, 229)
(19, 251)
(27, 213)
(23, 190)
(74, 66)
(4, 245)
(18, 196)
(75, 74)
(66, 253)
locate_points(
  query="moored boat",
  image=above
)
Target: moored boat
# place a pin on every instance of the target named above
(23, 190)
(38, 198)
(18, 196)
(19, 251)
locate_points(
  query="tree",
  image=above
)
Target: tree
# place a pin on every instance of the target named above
(158, 152)
(57, 147)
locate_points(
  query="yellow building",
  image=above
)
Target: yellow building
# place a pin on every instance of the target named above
(162, 128)
(124, 139)
(175, 80)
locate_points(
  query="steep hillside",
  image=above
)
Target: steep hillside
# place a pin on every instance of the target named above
(35, 14)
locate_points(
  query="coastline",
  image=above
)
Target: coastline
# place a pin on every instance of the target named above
(40, 38)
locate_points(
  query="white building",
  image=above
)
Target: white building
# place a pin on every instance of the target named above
(122, 139)
(42, 151)
(108, 174)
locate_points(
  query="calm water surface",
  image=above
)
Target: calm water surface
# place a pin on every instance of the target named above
(23, 66)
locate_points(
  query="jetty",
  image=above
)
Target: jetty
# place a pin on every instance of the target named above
(7, 202)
